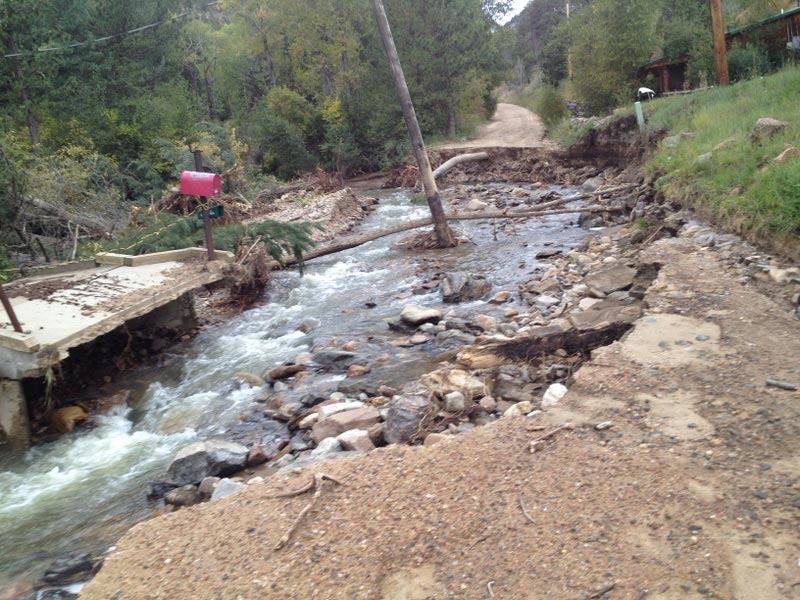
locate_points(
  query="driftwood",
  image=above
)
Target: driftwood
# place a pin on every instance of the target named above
(457, 160)
(316, 485)
(536, 444)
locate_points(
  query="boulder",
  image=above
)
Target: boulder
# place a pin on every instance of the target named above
(418, 315)
(404, 418)
(63, 420)
(257, 456)
(186, 495)
(197, 461)
(69, 569)
(767, 128)
(792, 153)
(207, 486)
(285, 371)
(226, 487)
(463, 287)
(329, 445)
(331, 409)
(604, 312)
(455, 402)
(475, 204)
(609, 279)
(357, 440)
(359, 418)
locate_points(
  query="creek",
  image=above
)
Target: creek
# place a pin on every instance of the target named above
(83, 491)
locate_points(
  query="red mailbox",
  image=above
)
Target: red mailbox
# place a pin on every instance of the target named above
(200, 184)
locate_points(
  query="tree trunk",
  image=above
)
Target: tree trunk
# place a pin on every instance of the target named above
(444, 234)
(30, 117)
(720, 45)
(451, 119)
(457, 160)
(33, 125)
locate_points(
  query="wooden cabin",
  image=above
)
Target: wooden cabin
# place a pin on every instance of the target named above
(670, 74)
(779, 31)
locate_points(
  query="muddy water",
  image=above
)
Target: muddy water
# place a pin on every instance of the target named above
(83, 491)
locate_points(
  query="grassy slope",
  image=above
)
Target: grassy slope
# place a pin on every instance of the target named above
(740, 187)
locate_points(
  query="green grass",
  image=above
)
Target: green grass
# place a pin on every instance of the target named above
(741, 187)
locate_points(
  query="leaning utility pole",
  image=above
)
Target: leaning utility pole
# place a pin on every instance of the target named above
(720, 47)
(444, 234)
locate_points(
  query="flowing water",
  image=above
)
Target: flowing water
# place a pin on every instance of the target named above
(83, 491)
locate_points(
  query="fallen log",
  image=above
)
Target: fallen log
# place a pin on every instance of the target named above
(457, 160)
(92, 226)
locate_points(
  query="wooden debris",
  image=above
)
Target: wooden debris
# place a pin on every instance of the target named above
(316, 484)
(784, 385)
(537, 444)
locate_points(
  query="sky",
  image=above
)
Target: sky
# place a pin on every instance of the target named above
(518, 5)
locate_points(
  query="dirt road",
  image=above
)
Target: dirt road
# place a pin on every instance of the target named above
(511, 127)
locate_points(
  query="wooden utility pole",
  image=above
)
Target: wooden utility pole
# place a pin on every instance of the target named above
(12, 316)
(570, 72)
(444, 234)
(720, 47)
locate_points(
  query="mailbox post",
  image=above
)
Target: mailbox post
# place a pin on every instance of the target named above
(204, 185)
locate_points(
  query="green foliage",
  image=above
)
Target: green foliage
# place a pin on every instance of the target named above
(741, 185)
(550, 106)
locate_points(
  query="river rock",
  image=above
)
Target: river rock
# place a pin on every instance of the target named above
(331, 409)
(484, 323)
(453, 338)
(404, 418)
(418, 315)
(500, 297)
(488, 404)
(285, 372)
(251, 379)
(63, 420)
(329, 445)
(475, 204)
(19, 590)
(455, 402)
(554, 394)
(257, 456)
(354, 371)
(359, 418)
(339, 359)
(463, 287)
(207, 486)
(609, 279)
(437, 438)
(69, 569)
(357, 440)
(197, 461)
(186, 495)
(520, 409)
(226, 487)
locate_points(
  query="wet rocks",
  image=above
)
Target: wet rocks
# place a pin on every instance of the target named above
(404, 417)
(197, 461)
(285, 372)
(419, 315)
(226, 487)
(69, 569)
(609, 279)
(463, 287)
(335, 359)
(63, 420)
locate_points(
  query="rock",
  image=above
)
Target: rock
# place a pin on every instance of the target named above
(419, 339)
(587, 303)
(463, 287)
(784, 276)
(767, 128)
(19, 590)
(354, 371)
(357, 440)
(500, 298)
(285, 371)
(338, 359)
(592, 184)
(376, 434)
(257, 456)
(436, 438)
(609, 279)
(484, 322)
(251, 379)
(445, 381)
(327, 446)
(69, 569)
(547, 253)
(546, 302)
(554, 394)
(477, 357)
(197, 461)
(454, 338)
(792, 153)
(476, 205)
(703, 158)
(404, 418)
(520, 409)
(604, 425)
(488, 404)
(349, 346)
(417, 315)
(332, 409)
(186, 495)
(671, 141)
(359, 418)
(387, 391)
(455, 402)
(207, 486)
(226, 487)
(308, 422)
(63, 420)
(158, 489)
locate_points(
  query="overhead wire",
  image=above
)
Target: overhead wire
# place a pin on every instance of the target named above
(112, 36)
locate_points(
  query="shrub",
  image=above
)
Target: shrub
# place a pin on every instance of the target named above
(550, 106)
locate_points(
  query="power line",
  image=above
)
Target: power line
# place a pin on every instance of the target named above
(110, 37)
